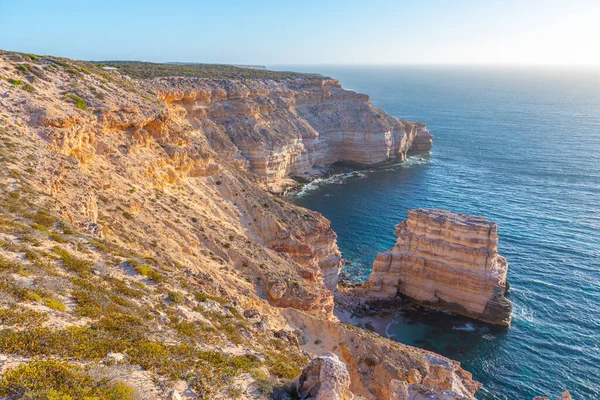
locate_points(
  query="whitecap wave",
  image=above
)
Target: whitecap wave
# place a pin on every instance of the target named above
(335, 179)
(387, 332)
(523, 314)
(309, 187)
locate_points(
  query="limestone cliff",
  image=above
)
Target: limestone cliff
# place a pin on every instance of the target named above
(448, 261)
(138, 245)
(291, 127)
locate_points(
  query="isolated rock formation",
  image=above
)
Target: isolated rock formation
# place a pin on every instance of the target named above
(447, 261)
(325, 378)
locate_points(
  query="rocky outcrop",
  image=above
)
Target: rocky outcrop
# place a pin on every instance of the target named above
(292, 127)
(564, 396)
(325, 378)
(380, 368)
(447, 261)
(422, 142)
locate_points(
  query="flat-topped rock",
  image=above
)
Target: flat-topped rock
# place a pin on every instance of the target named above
(445, 260)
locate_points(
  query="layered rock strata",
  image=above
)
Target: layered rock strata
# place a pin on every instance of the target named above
(447, 261)
(292, 127)
(379, 368)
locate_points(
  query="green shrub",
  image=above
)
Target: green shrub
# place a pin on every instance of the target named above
(175, 297)
(285, 367)
(43, 218)
(78, 101)
(54, 304)
(7, 265)
(263, 381)
(34, 297)
(57, 237)
(149, 273)
(72, 263)
(202, 297)
(15, 82)
(58, 380)
(73, 342)
(148, 70)
(28, 88)
(20, 316)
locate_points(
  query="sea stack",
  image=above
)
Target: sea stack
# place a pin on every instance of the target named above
(445, 260)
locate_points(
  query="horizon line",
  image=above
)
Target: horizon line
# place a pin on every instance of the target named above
(337, 64)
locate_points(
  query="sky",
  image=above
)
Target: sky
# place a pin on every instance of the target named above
(268, 32)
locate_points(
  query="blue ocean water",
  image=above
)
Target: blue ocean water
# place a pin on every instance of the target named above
(521, 147)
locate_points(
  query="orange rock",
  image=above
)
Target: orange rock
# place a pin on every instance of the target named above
(447, 261)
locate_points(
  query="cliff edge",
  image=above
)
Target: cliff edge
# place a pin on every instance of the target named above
(291, 127)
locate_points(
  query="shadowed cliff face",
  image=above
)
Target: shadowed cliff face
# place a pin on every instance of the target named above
(132, 222)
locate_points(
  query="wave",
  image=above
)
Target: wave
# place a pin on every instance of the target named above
(340, 178)
(466, 327)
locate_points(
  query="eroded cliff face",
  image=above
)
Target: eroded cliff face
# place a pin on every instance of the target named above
(448, 261)
(380, 368)
(131, 149)
(132, 223)
(292, 127)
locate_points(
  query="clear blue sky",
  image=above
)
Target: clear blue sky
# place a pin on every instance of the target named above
(307, 32)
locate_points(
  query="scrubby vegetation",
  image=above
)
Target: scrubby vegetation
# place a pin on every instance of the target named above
(78, 101)
(58, 380)
(147, 70)
(123, 315)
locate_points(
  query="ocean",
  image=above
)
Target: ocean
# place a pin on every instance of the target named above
(520, 146)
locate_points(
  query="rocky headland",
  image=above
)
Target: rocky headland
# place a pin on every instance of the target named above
(445, 260)
(142, 254)
(293, 127)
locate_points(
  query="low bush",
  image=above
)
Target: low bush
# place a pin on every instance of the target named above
(150, 273)
(21, 317)
(175, 297)
(54, 304)
(72, 263)
(78, 101)
(59, 380)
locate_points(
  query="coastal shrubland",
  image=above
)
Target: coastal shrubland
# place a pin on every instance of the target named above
(147, 70)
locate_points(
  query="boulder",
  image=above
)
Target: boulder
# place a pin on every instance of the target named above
(325, 378)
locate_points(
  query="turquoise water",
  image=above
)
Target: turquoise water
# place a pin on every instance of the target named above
(521, 147)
